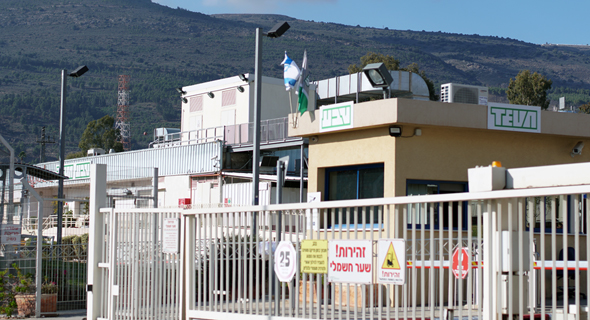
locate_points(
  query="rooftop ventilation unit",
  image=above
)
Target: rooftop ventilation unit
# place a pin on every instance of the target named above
(462, 93)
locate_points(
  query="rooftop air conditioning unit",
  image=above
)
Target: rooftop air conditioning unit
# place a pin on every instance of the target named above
(462, 93)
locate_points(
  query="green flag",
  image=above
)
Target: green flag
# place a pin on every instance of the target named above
(303, 86)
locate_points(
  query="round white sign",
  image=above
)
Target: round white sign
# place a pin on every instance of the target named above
(285, 261)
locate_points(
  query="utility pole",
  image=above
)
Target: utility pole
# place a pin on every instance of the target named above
(43, 141)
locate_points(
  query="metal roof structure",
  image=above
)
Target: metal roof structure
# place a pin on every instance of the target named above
(31, 170)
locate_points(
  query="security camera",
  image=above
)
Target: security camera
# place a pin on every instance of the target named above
(577, 150)
(314, 138)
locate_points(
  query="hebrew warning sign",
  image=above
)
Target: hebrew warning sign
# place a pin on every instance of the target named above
(350, 261)
(391, 261)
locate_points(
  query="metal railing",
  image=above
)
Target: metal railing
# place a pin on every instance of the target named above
(272, 130)
(63, 265)
(521, 273)
(30, 224)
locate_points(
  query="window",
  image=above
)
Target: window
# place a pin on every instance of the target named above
(355, 182)
(196, 103)
(542, 210)
(442, 211)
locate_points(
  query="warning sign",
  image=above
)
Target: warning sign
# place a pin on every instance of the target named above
(314, 256)
(391, 259)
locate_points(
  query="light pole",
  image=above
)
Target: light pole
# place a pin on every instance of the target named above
(62, 145)
(275, 32)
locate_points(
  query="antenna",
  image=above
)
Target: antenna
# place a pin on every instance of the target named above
(43, 141)
(122, 119)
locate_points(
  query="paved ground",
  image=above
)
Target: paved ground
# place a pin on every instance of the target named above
(69, 315)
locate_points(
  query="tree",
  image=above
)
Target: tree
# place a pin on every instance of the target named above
(99, 134)
(585, 108)
(529, 89)
(392, 63)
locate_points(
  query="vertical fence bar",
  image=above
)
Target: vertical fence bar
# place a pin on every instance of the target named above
(470, 276)
(451, 301)
(460, 281)
(563, 208)
(479, 269)
(576, 217)
(532, 272)
(432, 270)
(441, 259)
(542, 273)
(423, 214)
(415, 246)
(553, 207)
(404, 297)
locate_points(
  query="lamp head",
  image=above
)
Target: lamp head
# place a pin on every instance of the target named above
(78, 72)
(378, 75)
(278, 30)
(180, 90)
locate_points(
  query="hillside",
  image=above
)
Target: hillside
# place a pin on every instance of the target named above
(163, 48)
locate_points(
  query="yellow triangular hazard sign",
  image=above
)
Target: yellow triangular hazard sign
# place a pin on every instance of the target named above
(390, 261)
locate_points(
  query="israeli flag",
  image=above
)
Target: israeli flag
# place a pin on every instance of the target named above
(291, 72)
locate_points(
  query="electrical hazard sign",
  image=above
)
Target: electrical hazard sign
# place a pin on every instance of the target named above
(391, 261)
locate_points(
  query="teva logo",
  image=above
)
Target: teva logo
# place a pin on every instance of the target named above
(336, 117)
(511, 117)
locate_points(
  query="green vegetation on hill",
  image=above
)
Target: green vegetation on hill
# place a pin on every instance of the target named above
(163, 48)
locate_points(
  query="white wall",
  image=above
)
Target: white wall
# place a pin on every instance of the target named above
(275, 102)
(176, 187)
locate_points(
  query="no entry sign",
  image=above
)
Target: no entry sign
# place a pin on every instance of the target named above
(460, 255)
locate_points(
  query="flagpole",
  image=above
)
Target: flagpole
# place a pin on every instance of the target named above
(291, 106)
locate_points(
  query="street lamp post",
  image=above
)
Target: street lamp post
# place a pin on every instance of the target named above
(62, 146)
(275, 32)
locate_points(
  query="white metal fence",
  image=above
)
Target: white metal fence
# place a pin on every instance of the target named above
(525, 252)
(512, 272)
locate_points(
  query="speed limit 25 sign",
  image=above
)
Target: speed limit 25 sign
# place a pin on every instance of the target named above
(285, 261)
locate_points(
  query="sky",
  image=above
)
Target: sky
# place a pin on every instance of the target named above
(534, 21)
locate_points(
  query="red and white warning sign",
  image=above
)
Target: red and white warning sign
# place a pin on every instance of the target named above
(391, 261)
(462, 257)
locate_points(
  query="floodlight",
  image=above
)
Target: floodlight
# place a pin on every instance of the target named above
(180, 90)
(395, 131)
(243, 77)
(378, 75)
(185, 100)
(211, 95)
(241, 89)
(278, 30)
(78, 72)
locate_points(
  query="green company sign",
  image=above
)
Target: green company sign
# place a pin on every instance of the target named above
(512, 117)
(336, 117)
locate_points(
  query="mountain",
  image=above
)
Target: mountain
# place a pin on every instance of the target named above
(163, 48)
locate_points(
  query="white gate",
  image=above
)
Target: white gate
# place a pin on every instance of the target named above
(140, 280)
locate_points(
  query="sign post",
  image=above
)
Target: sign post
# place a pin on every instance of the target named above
(463, 254)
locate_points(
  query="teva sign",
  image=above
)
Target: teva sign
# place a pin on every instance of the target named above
(336, 117)
(513, 117)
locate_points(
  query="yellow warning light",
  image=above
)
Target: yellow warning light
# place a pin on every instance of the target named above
(496, 164)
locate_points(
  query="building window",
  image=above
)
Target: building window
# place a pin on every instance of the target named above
(228, 98)
(442, 211)
(196, 103)
(355, 182)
